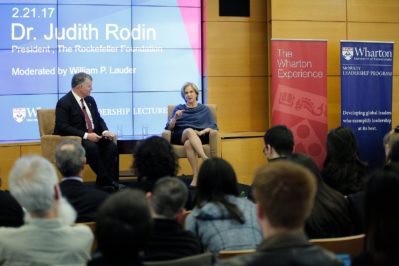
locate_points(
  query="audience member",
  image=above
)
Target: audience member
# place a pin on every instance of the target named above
(168, 240)
(279, 143)
(285, 194)
(221, 219)
(330, 216)
(47, 237)
(382, 219)
(76, 114)
(11, 213)
(70, 159)
(389, 138)
(154, 158)
(123, 225)
(343, 170)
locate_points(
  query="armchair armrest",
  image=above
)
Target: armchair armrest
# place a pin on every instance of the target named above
(213, 142)
(49, 143)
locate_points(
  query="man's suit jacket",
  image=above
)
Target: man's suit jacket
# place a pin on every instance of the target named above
(11, 213)
(70, 120)
(84, 199)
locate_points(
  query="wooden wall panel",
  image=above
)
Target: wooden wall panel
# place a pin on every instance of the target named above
(242, 102)
(373, 10)
(320, 10)
(8, 155)
(377, 32)
(31, 149)
(258, 11)
(333, 32)
(236, 49)
(395, 101)
(333, 101)
(245, 155)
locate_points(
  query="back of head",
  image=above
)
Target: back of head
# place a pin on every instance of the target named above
(154, 158)
(216, 179)
(123, 225)
(70, 157)
(394, 152)
(342, 145)
(168, 197)
(281, 139)
(32, 182)
(382, 217)
(285, 193)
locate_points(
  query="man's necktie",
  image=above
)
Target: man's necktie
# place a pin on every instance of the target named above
(87, 118)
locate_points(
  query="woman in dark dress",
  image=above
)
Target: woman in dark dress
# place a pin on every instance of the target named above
(190, 124)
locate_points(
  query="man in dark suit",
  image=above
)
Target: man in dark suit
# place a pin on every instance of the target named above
(77, 115)
(70, 159)
(168, 240)
(11, 213)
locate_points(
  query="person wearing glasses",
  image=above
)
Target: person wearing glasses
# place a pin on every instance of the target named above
(279, 143)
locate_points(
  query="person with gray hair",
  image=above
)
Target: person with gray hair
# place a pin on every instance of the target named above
(168, 240)
(47, 237)
(70, 159)
(191, 124)
(77, 114)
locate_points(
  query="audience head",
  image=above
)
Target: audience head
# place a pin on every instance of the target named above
(307, 162)
(216, 179)
(154, 158)
(342, 145)
(33, 183)
(382, 219)
(123, 225)
(70, 157)
(80, 78)
(188, 84)
(169, 197)
(343, 170)
(389, 139)
(279, 142)
(285, 194)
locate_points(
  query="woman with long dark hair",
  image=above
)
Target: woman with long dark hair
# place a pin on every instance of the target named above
(343, 170)
(382, 219)
(330, 215)
(221, 219)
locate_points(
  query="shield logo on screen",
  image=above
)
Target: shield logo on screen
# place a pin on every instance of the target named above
(347, 53)
(19, 114)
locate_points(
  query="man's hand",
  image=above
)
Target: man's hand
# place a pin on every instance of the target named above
(93, 137)
(109, 135)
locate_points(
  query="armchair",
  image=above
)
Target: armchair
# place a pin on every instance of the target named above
(48, 141)
(211, 149)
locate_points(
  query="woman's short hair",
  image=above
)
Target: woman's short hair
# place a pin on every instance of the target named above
(154, 158)
(192, 85)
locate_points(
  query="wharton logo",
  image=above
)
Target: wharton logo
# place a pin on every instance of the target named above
(347, 53)
(25, 114)
(19, 114)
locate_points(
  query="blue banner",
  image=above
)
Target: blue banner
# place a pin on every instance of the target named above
(366, 95)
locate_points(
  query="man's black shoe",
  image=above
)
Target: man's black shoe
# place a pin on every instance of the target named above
(118, 186)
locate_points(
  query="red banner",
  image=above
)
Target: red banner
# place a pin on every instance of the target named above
(299, 93)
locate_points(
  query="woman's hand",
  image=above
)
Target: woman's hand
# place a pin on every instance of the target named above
(203, 132)
(178, 114)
